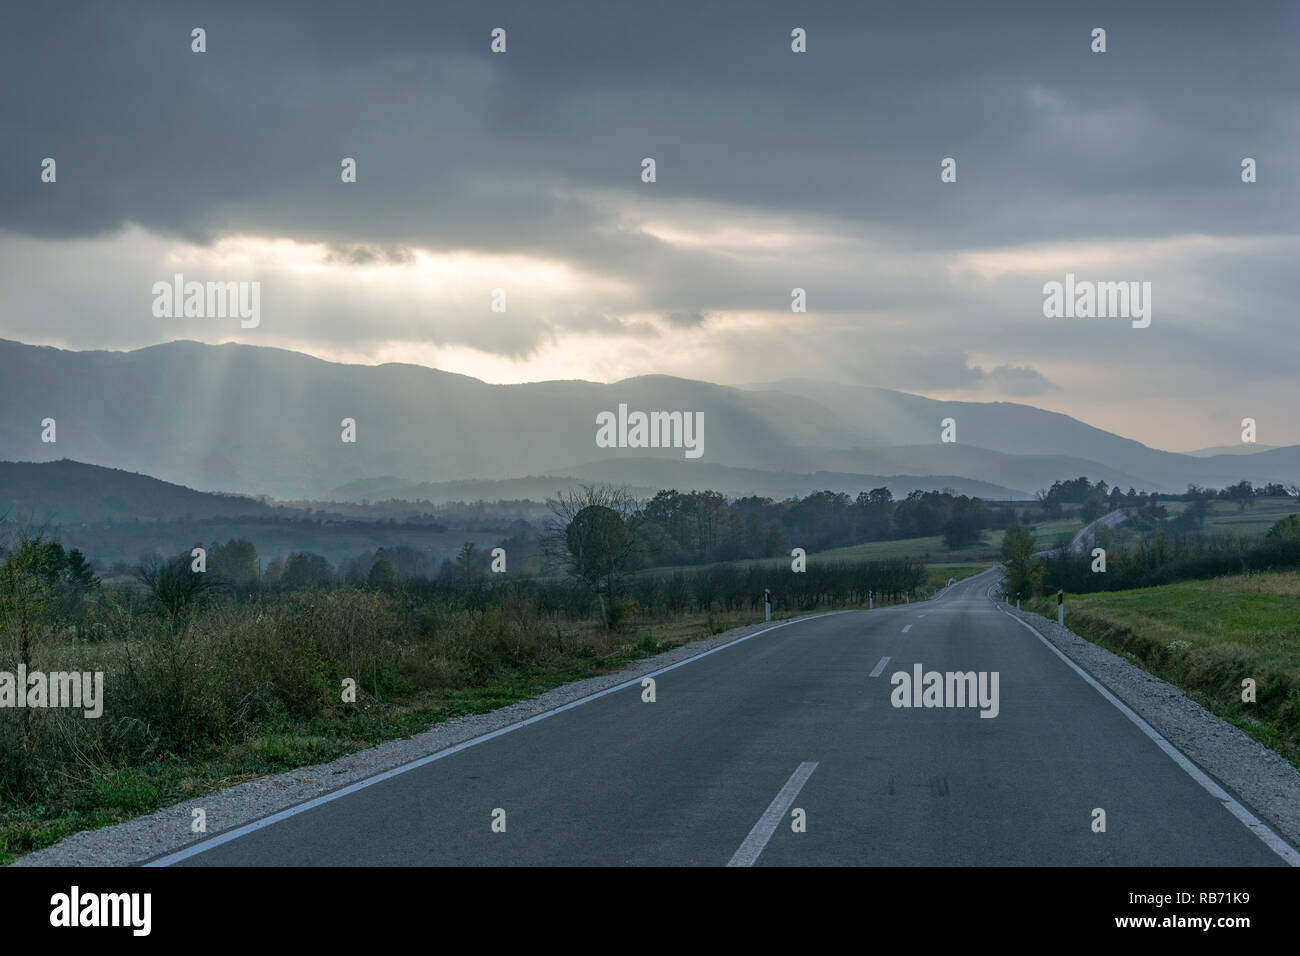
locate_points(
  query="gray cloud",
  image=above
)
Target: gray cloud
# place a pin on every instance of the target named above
(1020, 380)
(951, 369)
(456, 146)
(368, 254)
(689, 317)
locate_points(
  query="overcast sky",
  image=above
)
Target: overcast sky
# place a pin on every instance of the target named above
(775, 170)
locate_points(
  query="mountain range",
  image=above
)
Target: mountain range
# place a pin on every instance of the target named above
(267, 421)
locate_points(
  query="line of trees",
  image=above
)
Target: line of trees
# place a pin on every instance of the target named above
(1154, 560)
(719, 587)
(40, 585)
(600, 535)
(1164, 559)
(1094, 499)
(1243, 493)
(670, 529)
(703, 526)
(1097, 499)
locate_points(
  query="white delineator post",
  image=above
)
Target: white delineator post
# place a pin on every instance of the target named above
(767, 604)
(871, 600)
(1060, 607)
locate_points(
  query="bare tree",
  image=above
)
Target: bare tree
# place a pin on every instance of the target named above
(591, 535)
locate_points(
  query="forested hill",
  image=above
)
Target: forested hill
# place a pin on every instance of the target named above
(68, 492)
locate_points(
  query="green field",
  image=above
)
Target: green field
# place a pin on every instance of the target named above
(929, 549)
(1224, 518)
(1254, 520)
(1206, 637)
(937, 575)
(1046, 534)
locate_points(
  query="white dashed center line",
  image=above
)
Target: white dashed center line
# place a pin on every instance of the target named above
(748, 853)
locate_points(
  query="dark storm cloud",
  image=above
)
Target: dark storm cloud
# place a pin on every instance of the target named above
(459, 148)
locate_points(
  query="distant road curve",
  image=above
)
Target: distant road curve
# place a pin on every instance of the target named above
(1079, 543)
(1089, 531)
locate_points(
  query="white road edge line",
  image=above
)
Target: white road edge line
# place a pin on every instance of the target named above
(204, 845)
(906, 629)
(880, 667)
(747, 854)
(1251, 822)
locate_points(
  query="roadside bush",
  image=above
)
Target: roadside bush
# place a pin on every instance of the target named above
(621, 612)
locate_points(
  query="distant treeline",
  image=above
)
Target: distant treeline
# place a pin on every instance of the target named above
(126, 543)
(1097, 499)
(172, 586)
(722, 587)
(698, 527)
(298, 548)
(457, 513)
(671, 529)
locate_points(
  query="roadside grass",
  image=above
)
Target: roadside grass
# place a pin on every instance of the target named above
(117, 792)
(1206, 637)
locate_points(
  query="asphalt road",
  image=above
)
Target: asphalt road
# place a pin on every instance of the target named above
(1083, 540)
(713, 770)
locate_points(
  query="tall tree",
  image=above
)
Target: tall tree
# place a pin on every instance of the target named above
(1024, 568)
(234, 562)
(592, 535)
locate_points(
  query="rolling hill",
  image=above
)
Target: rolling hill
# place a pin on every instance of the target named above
(260, 420)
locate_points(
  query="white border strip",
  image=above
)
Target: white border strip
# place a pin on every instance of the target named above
(1253, 824)
(204, 845)
(756, 842)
